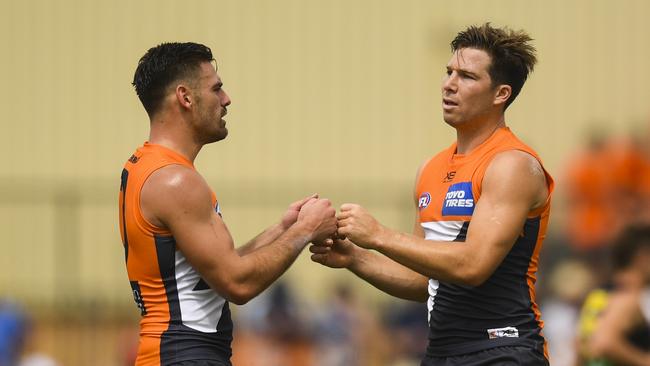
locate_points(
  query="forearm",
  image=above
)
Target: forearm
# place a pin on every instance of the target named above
(257, 270)
(389, 276)
(264, 238)
(445, 261)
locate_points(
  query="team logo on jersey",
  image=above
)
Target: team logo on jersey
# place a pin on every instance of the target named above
(424, 200)
(449, 177)
(459, 200)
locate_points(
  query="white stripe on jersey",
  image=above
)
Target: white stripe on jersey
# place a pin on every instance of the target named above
(200, 310)
(442, 230)
(439, 231)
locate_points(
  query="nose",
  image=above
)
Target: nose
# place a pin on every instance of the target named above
(225, 100)
(449, 83)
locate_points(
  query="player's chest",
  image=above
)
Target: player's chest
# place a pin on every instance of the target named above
(446, 194)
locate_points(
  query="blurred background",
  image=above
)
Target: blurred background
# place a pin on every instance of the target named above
(336, 97)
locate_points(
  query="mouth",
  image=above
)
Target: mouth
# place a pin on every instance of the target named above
(448, 104)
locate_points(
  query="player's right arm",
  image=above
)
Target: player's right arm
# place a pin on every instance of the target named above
(177, 198)
(376, 269)
(380, 271)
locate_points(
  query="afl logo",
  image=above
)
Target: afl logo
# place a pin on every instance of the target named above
(425, 199)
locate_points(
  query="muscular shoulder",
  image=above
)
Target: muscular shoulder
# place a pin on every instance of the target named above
(518, 173)
(517, 162)
(173, 189)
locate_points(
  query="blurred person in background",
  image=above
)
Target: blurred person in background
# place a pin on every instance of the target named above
(16, 338)
(181, 261)
(13, 332)
(561, 307)
(482, 208)
(608, 188)
(590, 188)
(341, 330)
(281, 332)
(408, 333)
(615, 323)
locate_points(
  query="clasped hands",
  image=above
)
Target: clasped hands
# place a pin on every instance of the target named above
(335, 237)
(355, 228)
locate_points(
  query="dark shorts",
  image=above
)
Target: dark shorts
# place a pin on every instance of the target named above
(502, 356)
(201, 363)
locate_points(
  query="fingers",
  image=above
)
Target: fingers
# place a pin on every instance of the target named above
(327, 242)
(319, 249)
(343, 232)
(338, 235)
(346, 207)
(319, 258)
(348, 210)
(308, 201)
(298, 204)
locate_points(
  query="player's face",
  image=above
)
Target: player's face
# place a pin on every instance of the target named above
(212, 103)
(467, 92)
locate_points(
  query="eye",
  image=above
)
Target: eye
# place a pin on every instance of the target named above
(468, 76)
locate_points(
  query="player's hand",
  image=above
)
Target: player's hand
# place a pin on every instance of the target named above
(319, 217)
(333, 253)
(291, 216)
(356, 224)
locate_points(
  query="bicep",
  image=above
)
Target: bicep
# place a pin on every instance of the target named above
(186, 211)
(511, 189)
(204, 240)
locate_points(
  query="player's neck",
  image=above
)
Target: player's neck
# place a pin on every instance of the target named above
(174, 137)
(470, 136)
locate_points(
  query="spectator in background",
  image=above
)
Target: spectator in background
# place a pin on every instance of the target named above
(273, 330)
(339, 330)
(16, 346)
(562, 307)
(607, 189)
(13, 329)
(408, 334)
(615, 324)
(589, 188)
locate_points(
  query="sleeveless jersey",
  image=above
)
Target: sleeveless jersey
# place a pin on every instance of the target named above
(501, 311)
(182, 317)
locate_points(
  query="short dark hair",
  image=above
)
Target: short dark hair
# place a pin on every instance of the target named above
(629, 244)
(164, 64)
(513, 57)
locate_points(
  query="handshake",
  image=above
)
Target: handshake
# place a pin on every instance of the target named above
(334, 237)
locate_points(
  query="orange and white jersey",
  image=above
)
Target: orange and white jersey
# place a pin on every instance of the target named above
(182, 317)
(501, 311)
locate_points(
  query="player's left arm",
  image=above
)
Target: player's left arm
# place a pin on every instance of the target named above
(513, 185)
(273, 232)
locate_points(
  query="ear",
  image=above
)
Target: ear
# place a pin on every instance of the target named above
(503, 93)
(184, 96)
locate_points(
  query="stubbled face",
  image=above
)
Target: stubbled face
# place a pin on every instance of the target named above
(211, 105)
(467, 92)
